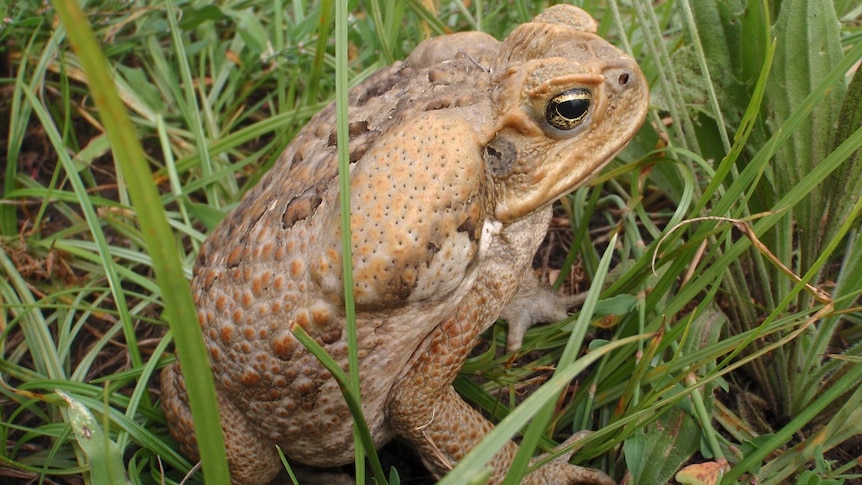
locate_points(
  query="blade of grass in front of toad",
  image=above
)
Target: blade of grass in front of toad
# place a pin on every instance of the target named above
(543, 417)
(362, 442)
(479, 456)
(354, 403)
(341, 88)
(160, 242)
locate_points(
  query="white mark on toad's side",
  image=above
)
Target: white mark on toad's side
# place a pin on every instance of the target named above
(490, 231)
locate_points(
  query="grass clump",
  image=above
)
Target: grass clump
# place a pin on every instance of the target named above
(722, 250)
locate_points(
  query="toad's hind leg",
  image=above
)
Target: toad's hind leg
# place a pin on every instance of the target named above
(252, 458)
(426, 410)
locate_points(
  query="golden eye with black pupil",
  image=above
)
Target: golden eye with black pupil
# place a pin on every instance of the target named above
(568, 109)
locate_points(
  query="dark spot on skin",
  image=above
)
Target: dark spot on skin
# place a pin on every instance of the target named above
(440, 103)
(469, 226)
(207, 279)
(202, 255)
(234, 258)
(297, 158)
(438, 76)
(401, 287)
(301, 207)
(500, 156)
(238, 225)
(354, 130)
(431, 250)
(330, 336)
(360, 137)
(357, 153)
(255, 216)
(376, 87)
(357, 128)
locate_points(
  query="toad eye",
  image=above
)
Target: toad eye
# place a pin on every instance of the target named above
(568, 109)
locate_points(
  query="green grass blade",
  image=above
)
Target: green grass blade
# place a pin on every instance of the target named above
(19, 114)
(324, 25)
(843, 425)
(341, 91)
(785, 434)
(105, 457)
(189, 105)
(363, 436)
(21, 304)
(575, 342)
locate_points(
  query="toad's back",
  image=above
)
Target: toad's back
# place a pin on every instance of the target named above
(417, 212)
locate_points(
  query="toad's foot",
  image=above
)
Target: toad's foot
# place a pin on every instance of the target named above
(534, 303)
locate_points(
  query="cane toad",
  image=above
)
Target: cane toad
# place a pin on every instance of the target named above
(457, 154)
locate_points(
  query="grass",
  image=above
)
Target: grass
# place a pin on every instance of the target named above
(722, 250)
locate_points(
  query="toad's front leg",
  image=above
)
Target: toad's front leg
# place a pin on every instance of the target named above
(534, 302)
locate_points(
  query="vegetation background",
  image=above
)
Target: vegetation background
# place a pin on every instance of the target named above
(722, 249)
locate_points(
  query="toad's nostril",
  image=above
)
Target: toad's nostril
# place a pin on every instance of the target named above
(623, 79)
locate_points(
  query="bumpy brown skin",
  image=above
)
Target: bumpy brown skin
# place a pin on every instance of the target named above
(454, 168)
